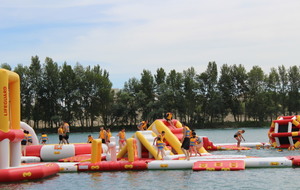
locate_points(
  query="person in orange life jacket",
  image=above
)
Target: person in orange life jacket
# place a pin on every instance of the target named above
(195, 144)
(168, 118)
(66, 128)
(60, 132)
(102, 135)
(142, 126)
(186, 134)
(122, 138)
(199, 145)
(44, 138)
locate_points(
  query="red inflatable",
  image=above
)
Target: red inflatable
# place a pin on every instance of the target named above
(28, 172)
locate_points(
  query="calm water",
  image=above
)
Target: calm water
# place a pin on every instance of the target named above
(260, 178)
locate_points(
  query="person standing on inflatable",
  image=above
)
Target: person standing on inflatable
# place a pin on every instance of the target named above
(44, 138)
(102, 135)
(238, 136)
(169, 117)
(60, 132)
(160, 147)
(66, 128)
(122, 138)
(185, 140)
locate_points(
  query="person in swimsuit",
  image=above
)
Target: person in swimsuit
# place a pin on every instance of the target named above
(24, 143)
(108, 135)
(122, 138)
(90, 139)
(66, 128)
(161, 136)
(160, 147)
(168, 118)
(185, 140)
(142, 126)
(44, 138)
(102, 135)
(238, 136)
(60, 132)
(195, 144)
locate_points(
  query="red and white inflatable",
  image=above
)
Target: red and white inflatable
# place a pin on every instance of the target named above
(285, 132)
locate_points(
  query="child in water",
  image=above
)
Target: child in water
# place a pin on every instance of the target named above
(238, 136)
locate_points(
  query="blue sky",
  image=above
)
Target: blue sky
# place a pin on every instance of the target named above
(124, 37)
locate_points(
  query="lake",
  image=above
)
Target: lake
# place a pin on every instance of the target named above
(259, 178)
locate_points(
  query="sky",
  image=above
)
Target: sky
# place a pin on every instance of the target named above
(125, 37)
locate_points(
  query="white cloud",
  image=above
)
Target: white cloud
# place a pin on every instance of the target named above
(125, 37)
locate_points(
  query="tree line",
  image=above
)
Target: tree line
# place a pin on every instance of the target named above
(84, 96)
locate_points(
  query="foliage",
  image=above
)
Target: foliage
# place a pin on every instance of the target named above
(84, 96)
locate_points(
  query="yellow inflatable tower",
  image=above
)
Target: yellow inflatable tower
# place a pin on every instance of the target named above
(10, 133)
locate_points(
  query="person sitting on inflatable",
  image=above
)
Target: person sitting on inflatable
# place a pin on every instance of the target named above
(168, 118)
(142, 125)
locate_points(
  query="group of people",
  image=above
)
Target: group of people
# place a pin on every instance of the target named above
(27, 140)
(63, 133)
(190, 142)
(105, 136)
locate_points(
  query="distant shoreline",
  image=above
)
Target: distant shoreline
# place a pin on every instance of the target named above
(225, 125)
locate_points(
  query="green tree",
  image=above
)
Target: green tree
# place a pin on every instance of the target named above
(26, 103)
(256, 102)
(5, 66)
(35, 92)
(272, 89)
(189, 94)
(239, 90)
(68, 88)
(50, 89)
(293, 90)
(283, 90)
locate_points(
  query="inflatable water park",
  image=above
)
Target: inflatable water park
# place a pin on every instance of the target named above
(140, 151)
